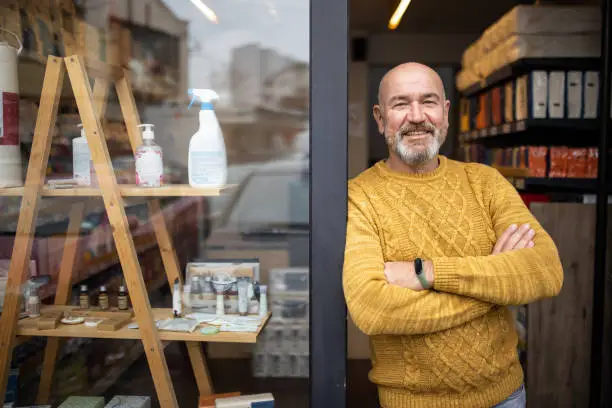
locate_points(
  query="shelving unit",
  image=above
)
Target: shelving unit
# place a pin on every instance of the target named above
(549, 132)
(525, 65)
(584, 251)
(91, 106)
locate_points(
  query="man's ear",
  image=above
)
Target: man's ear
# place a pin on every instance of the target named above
(377, 111)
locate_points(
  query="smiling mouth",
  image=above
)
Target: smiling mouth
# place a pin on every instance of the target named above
(417, 135)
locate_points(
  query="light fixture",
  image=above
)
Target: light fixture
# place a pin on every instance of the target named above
(398, 14)
(207, 11)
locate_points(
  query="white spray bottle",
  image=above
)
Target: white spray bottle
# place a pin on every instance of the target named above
(207, 163)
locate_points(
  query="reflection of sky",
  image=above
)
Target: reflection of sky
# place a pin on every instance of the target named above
(282, 25)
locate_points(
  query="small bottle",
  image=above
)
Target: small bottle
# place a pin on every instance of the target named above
(84, 297)
(148, 160)
(208, 296)
(34, 305)
(103, 298)
(263, 300)
(253, 302)
(243, 297)
(232, 296)
(177, 304)
(123, 302)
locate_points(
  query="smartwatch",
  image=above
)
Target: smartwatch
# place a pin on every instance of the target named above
(420, 273)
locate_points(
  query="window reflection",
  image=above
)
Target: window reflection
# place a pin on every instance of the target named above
(255, 55)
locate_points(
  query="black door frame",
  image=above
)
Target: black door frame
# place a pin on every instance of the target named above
(329, 58)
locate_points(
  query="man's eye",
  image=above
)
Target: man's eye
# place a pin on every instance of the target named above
(429, 102)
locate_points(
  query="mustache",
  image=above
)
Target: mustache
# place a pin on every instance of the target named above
(421, 127)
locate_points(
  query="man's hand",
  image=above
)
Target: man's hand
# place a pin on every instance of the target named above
(514, 237)
(403, 274)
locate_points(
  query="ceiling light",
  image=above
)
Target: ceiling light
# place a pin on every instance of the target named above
(398, 14)
(207, 11)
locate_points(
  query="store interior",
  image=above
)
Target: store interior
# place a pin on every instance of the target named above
(523, 81)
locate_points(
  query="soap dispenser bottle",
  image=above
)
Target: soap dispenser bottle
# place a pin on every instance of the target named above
(149, 162)
(207, 162)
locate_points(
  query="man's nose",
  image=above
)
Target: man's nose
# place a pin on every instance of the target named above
(415, 113)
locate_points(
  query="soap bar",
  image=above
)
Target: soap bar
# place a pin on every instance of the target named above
(124, 401)
(83, 402)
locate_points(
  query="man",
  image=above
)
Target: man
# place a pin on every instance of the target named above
(435, 251)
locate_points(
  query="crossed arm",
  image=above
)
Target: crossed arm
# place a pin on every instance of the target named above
(386, 298)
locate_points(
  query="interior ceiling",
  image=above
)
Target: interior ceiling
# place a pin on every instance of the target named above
(429, 16)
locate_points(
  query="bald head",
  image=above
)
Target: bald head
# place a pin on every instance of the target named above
(410, 71)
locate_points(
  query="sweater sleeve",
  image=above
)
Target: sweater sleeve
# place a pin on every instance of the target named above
(510, 278)
(378, 307)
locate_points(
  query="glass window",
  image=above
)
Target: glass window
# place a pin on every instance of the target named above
(222, 171)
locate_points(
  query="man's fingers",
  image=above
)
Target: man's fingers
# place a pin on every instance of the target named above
(525, 240)
(504, 238)
(515, 238)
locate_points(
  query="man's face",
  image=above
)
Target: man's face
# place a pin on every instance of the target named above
(413, 115)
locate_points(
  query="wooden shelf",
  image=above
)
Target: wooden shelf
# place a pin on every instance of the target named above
(534, 132)
(526, 65)
(127, 190)
(28, 327)
(512, 171)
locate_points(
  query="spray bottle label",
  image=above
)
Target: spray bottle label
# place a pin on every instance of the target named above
(9, 119)
(206, 168)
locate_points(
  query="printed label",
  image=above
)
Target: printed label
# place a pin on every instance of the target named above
(9, 119)
(207, 167)
(149, 169)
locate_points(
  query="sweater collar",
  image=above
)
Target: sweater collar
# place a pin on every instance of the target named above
(384, 170)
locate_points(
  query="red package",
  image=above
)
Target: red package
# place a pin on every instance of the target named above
(577, 163)
(592, 162)
(537, 161)
(558, 162)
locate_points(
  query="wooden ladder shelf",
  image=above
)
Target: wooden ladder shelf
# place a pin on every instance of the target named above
(92, 106)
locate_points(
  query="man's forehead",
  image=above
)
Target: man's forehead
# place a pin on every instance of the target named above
(412, 82)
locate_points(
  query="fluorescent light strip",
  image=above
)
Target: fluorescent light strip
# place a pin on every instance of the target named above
(398, 14)
(207, 11)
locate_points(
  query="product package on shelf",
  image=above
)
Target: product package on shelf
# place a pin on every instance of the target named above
(123, 401)
(532, 31)
(83, 402)
(246, 401)
(283, 348)
(209, 400)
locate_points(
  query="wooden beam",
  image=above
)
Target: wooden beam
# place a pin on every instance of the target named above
(121, 233)
(26, 225)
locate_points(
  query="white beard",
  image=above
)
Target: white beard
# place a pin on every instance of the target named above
(415, 157)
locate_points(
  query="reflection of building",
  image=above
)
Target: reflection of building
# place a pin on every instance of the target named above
(269, 104)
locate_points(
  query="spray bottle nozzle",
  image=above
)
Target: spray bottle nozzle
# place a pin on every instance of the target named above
(206, 96)
(147, 132)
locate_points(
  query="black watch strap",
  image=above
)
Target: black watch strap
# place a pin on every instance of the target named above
(420, 273)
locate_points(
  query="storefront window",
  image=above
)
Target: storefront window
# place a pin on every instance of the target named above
(226, 204)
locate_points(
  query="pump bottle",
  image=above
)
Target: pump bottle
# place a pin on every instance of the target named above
(149, 163)
(207, 163)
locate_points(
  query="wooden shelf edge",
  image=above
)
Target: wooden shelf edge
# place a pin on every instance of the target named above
(127, 190)
(27, 327)
(512, 171)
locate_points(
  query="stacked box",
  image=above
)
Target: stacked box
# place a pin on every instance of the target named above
(283, 348)
(123, 401)
(83, 402)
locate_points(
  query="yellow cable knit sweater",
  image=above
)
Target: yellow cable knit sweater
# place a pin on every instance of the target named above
(455, 345)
